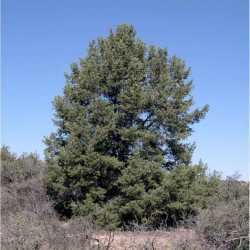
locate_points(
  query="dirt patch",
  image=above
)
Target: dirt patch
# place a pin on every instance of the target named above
(142, 240)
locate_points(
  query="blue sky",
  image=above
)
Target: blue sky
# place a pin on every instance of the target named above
(41, 38)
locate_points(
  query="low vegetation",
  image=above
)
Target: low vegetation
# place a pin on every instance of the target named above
(225, 222)
(29, 220)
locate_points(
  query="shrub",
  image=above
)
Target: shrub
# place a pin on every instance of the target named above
(190, 241)
(225, 223)
(18, 169)
(183, 191)
(28, 220)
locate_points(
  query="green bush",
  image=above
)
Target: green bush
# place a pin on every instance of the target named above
(161, 198)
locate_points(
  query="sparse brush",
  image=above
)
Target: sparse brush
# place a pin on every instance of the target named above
(225, 223)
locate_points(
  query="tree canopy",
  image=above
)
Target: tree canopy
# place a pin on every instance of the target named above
(122, 124)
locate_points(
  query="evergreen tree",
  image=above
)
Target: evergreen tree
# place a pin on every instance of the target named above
(121, 124)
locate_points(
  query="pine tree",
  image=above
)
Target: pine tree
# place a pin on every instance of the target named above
(121, 124)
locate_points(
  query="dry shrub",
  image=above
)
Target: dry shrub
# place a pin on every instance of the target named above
(188, 239)
(25, 232)
(27, 216)
(225, 223)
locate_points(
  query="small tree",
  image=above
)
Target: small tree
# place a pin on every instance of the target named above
(123, 118)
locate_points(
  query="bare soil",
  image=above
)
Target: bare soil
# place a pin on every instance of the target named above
(143, 240)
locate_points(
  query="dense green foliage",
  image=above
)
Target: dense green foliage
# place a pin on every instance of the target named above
(121, 127)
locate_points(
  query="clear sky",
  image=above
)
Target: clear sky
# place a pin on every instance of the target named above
(40, 39)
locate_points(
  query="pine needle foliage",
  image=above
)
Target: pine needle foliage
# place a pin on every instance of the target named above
(122, 124)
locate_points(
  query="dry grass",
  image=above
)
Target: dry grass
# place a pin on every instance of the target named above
(155, 240)
(151, 240)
